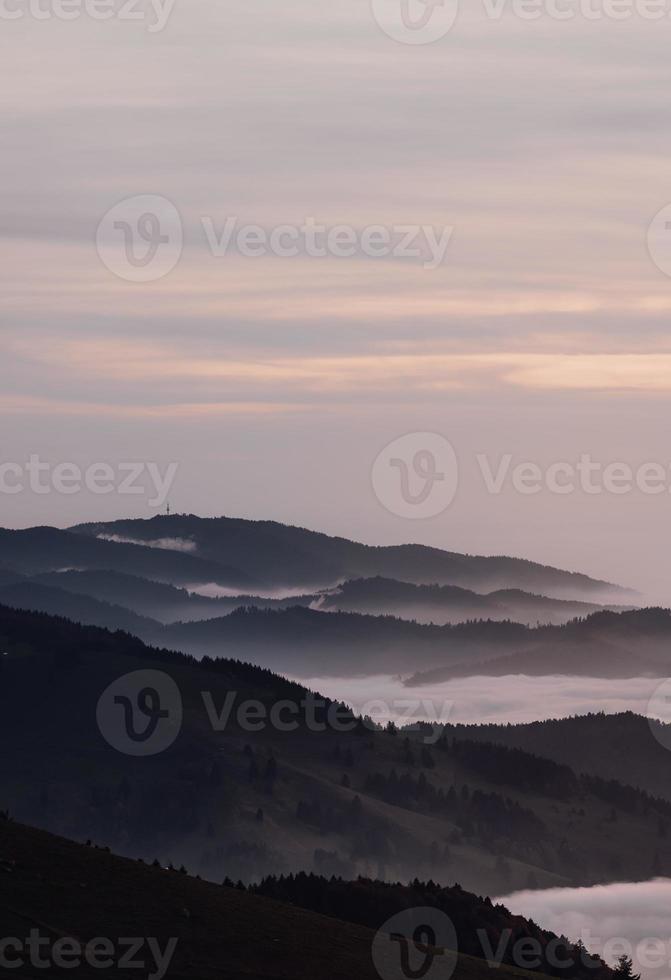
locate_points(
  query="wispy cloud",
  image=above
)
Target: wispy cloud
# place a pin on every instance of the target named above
(278, 381)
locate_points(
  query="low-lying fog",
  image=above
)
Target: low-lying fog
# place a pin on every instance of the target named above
(213, 591)
(612, 920)
(515, 699)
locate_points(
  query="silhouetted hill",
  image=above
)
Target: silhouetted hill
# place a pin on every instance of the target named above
(441, 604)
(47, 549)
(624, 746)
(307, 641)
(79, 608)
(376, 597)
(310, 643)
(157, 600)
(283, 556)
(368, 903)
(606, 644)
(210, 931)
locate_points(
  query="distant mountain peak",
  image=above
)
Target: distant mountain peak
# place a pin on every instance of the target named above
(277, 555)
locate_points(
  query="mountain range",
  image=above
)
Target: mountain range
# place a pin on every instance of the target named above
(303, 818)
(443, 604)
(304, 640)
(232, 798)
(184, 582)
(280, 556)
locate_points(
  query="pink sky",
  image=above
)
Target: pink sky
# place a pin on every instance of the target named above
(275, 382)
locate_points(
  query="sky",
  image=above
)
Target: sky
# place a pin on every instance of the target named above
(535, 150)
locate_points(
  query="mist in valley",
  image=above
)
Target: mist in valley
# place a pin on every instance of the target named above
(516, 699)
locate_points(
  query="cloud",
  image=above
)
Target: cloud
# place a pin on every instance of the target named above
(514, 699)
(288, 376)
(612, 920)
(277, 382)
(163, 544)
(214, 591)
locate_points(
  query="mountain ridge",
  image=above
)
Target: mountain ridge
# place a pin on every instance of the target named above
(220, 932)
(227, 798)
(273, 550)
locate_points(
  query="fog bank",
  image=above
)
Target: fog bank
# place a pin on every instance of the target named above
(610, 919)
(516, 699)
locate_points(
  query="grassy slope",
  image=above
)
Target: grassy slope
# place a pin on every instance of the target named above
(222, 933)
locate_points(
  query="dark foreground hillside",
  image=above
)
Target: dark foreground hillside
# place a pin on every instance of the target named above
(66, 890)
